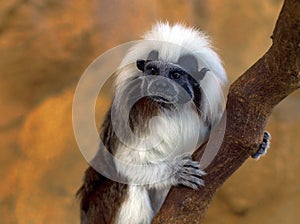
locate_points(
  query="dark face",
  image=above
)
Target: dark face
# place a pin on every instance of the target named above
(167, 82)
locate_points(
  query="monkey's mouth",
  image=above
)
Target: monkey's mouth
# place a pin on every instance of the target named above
(161, 99)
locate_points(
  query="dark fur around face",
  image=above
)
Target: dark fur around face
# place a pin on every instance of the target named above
(172, 83)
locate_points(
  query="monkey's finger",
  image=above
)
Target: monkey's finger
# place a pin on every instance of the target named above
(192, 163)
(192, 182)
(193, 171)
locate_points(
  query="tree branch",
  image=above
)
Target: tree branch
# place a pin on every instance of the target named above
(251, 100)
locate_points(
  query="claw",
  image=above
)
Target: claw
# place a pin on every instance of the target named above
(193, 164)
(190, 185)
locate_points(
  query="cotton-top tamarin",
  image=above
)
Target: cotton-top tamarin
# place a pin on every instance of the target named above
(169, 94)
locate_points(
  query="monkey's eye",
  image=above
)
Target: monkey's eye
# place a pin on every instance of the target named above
(153, 70)
(175, 75)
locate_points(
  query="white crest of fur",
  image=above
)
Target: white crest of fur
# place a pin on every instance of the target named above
(180, 39)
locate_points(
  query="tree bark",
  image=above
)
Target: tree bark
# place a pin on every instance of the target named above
(250, 102)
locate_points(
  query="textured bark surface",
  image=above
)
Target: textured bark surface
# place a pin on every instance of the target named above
(250, 102)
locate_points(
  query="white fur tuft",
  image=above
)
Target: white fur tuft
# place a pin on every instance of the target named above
(137, 207)
(171, 41)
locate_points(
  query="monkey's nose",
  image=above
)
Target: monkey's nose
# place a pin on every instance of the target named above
(161, 85)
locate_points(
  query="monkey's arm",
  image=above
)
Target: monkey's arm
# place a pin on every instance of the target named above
(180, 170)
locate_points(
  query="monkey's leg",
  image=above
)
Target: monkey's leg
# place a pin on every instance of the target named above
(263, 146)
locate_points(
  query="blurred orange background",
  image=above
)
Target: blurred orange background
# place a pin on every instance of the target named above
(45, 47)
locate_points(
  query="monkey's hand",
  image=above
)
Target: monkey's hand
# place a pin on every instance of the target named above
(188, 172)
(263, 146)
